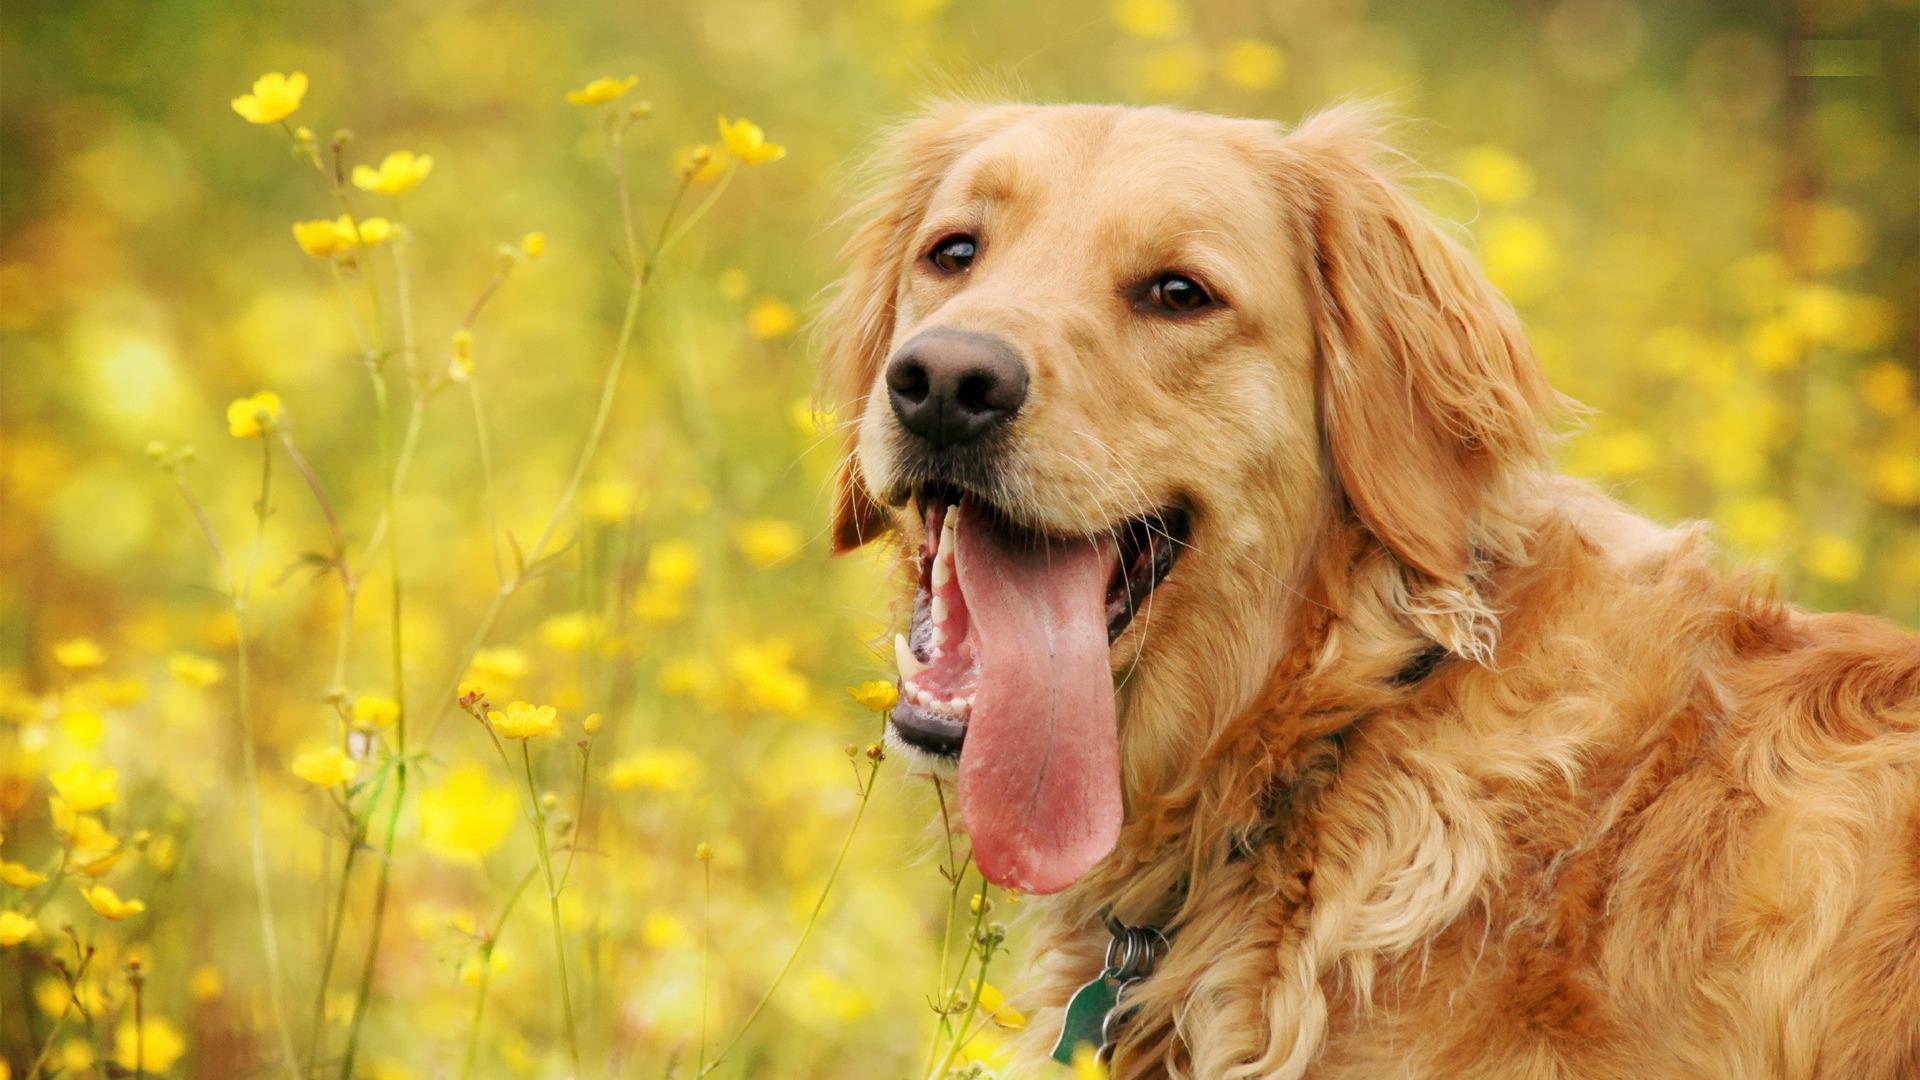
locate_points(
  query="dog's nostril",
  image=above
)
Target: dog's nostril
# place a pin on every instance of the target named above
(975, 391)
(907, 378)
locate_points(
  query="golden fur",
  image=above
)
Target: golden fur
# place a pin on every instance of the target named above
(1642, 821)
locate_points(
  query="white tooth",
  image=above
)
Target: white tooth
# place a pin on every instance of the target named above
(939, 611)
(925, 697)
(939, 639)
(942, 568)
(952, 516)
(904, 659)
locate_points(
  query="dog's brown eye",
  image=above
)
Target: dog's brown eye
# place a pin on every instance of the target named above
(1177, 292)
(953, 254)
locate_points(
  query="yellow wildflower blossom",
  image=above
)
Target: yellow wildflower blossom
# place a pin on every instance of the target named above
(84, 787)
(533, 245)
(496, 960)
(609, 502)
(1497, 177)
(567, 633)
(1887, 388)
(1154, 20)
(1087, 1064)
(698, 163)
(153, 1048)
(325, 768)
(766, 676)
(275, 97)
(994, 1004)
(325, 237)
(878, 695)
(19, 876)
(107, 904)
(523, 720)
(602, 90)
(460, 355)
(79, 654)
(663, 768)
(16, 928)
(744, 140)
(1252, 64)
(768, 541)
(703, 851)
(252, 417)
(371, 712)
(467, 814)
(673, 562)
(399, 173)
(1833, 558)
(659, 603)
(195, 670)
(772, 319)
(499, 667)
(206, 984)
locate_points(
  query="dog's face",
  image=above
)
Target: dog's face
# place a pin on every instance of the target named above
(1104, 362)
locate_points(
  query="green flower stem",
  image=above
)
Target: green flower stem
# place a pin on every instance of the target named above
(486, 972)
(979, 985)
(813, 917)
(355, 842)
(539, 818)
(242, 598)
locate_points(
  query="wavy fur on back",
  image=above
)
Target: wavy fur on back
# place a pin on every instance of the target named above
(1436, 764)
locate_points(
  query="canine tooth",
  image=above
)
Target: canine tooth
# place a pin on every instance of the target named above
(904, 659)
(952, 516)
(939, 610)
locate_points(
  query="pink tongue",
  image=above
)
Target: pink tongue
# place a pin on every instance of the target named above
(1040, 768)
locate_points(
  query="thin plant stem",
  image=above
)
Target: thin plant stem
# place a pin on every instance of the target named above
(706, 956)
(486, 971)
(539, 819)
(249, 766)
(813, 917)
(73, 1004)
(961, 1037)
(355, 842)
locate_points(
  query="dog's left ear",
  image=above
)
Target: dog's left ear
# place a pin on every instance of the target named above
(1429, 391)
(857, 325)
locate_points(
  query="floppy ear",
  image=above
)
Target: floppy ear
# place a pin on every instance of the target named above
(858, 323)
(1428, 390)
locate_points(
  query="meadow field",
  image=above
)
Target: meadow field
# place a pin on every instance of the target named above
(420, 654)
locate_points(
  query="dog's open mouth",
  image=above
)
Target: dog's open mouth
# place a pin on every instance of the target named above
(1006, 665)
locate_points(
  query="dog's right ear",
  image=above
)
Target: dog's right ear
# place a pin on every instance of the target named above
(857, 326)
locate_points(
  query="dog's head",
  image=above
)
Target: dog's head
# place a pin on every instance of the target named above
(1110, 367)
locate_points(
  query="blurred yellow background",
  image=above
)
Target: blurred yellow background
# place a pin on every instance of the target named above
(1706, 214)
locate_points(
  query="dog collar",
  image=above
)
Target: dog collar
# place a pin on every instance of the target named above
(1096, 1010)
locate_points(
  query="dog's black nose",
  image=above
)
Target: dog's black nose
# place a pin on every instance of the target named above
(950, 386)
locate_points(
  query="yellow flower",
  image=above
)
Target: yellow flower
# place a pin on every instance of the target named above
(498, 668)
(1252, 64)
(88, 838)
(79, 654)
(770, 319)
(570, 632)
(878, 695)
(460, 355)
(399, 173)
(703, 851)
(1155, 20)
(608, 502)
(206, 983)
(522, 720)
(698, 163)
(326, 768)
(665, 768)
(1896, 478)
(744, 140)
(994, 1004)
(673, 562)
(768, 541)
(600, 91)
(153, 1048)
(766, 676)
(275, 97)
(467, 814)
(1496, 176)
(19, 876)
(1086, 1063)
(1887, 388)
(533, 245)
(195, 670)
(107, 904)
(84, 787)
(252, 417)
(496, 961)
(592, 723)
(1173, 70)
(1520, 255)
(1833, 558)
(16, 928)
(326, 237)
(371, 711)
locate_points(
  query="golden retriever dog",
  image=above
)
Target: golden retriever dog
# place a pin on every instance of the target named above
(1247, 606)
